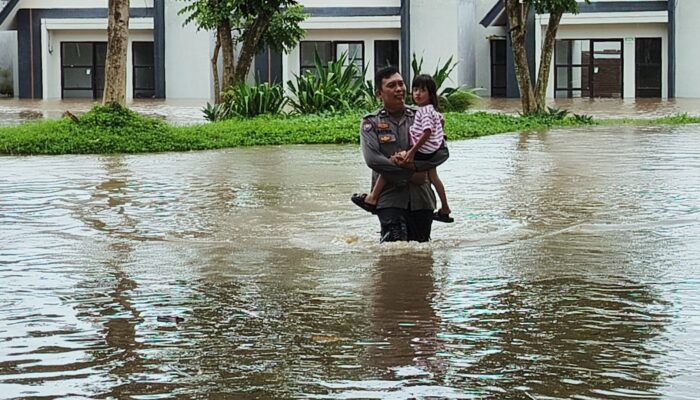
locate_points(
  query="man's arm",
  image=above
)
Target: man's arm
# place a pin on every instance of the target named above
(377, 161)
(440, 157)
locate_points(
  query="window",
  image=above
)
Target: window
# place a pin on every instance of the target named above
(144, 73)
(328, 51)
(386, 53)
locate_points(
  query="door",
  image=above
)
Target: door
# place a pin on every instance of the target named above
(607, 68)
(648, 67)
(82, 69)
(498, 68)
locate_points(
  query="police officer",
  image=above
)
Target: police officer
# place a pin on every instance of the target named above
(406, 205)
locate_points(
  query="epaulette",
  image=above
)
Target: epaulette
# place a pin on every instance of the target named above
(373, 113)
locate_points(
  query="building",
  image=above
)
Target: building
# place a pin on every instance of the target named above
(615, 49)
(618, 49)
(61, 48)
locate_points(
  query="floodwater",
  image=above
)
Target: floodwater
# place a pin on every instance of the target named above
(572, 271)
(187, 112)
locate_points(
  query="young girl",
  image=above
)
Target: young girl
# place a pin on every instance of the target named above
(427, 136)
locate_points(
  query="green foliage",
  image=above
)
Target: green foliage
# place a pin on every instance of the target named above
(460, 100)
(6, 87)
(441, 74)
(331, 88)
(550, 6)
(215, 112)
(284, 31)
(249, 101)
(583, 118)
(113, 129)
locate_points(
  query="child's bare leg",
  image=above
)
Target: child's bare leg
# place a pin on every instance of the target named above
(440, 188)
(373, 197)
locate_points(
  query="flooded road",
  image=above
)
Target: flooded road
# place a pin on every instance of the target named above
(572, 271)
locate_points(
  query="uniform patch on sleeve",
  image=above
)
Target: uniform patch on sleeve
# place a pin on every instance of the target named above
(366, 126)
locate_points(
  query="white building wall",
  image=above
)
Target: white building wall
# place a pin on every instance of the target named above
(51, 49)
(627, 32)
(350, 3)
(435, 35)
(78, 4)
(687, 49)
(187, 54)
(482, 47)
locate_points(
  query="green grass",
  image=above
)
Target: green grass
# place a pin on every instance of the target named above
(109, 129)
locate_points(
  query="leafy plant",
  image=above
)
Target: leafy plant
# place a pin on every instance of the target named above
(460, 100)
(441, 74)
(583, 119)
(330, 88)
(249, 101)
(215, 112)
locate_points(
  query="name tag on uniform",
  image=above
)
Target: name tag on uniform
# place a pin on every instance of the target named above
(387, 138)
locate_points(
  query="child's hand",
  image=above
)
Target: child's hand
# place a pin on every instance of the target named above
(409, 156)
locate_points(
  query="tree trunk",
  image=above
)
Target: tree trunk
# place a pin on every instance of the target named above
(517, 18)
(117, 45)
(546, 60)
(226, 41)
(215, 71)
(250, 39)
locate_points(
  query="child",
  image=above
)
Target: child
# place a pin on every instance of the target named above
(427, 136)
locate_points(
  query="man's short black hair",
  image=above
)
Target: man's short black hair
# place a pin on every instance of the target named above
(382, 74)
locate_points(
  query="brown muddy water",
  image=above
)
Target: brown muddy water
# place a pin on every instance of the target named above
(572, 271)
(186, 112)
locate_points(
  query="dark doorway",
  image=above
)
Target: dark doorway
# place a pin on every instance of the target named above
(648, 67)
(144, 80)
(83, 69)
(498, 68)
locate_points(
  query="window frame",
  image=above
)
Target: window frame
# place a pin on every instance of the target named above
(150, 91)
(334, 50)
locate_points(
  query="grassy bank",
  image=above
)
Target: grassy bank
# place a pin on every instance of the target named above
(106, 130)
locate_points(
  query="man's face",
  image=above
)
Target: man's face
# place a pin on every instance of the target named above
(393, 92)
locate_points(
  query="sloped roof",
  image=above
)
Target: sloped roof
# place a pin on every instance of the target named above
(7, 14)
(496, 15)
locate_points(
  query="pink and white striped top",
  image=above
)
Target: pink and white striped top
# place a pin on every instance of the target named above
(428, 118)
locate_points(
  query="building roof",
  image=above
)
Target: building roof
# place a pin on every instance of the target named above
(7, 14)
(496, 15)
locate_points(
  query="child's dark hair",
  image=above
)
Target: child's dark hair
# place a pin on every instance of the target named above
(425, 81)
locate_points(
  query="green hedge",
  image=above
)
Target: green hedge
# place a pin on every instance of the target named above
(106, 130)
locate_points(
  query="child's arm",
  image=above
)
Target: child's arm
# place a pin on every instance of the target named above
(424, 138)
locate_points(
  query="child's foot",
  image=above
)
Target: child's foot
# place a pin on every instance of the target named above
(443, 215)
(371, 200)
(359, 200)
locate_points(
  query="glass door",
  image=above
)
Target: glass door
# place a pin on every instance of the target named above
(82, 69)
(607, 68)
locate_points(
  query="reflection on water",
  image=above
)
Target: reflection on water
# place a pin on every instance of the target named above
(571, 272)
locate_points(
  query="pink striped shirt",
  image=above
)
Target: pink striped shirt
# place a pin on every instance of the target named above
(428, 118)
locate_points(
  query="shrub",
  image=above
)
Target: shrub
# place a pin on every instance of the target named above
(334, 87)
(249, 101)
(215, 112)
(460, 100)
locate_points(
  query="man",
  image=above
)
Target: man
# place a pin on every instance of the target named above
(406, 205)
